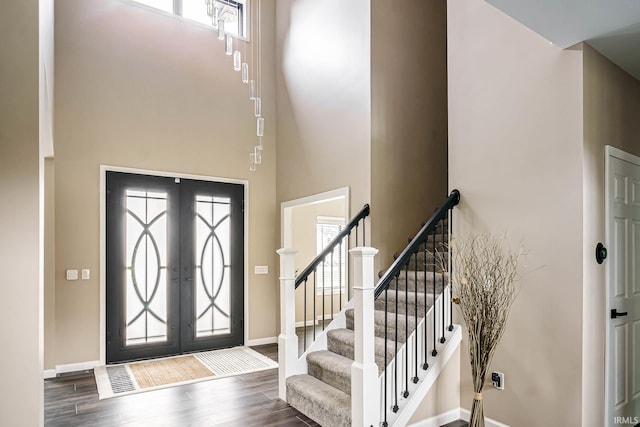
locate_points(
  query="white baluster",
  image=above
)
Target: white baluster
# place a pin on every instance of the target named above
(288, 340)
(364, 371)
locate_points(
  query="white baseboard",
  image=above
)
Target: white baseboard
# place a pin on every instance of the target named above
(76, 367)
(301, 323)
(453, 415)
(439, 420)
(86, 366)
(49, 373)
(465, 414)
(319, 319)
(262, 341)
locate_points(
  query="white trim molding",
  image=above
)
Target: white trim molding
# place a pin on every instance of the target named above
(465, 415)
(286, 210)
(454, 415)
(262, 341)
(439, 420)
(71, 367)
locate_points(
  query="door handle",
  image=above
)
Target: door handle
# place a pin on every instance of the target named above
(615, 314)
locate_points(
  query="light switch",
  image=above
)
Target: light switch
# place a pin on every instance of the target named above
(261, 269)
(86, 274)
(72, 274)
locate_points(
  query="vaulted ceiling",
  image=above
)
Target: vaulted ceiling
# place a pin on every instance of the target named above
(610, 26)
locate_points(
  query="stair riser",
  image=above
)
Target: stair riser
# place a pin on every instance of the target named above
(421, 256)
(438, 238)
(404, 297)
(342, 383)
(403, 308)
(346, 350)
(391, 330)
(321, 412)
(402, 285)
(430, 268)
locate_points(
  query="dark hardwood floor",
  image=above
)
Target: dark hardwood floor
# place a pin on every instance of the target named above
(243, 400)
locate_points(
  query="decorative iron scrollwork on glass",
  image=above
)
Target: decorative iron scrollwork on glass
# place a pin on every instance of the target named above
(213, 237)
(146, 244)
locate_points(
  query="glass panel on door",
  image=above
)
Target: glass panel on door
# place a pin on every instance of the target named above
(146, 277)
(213, 263)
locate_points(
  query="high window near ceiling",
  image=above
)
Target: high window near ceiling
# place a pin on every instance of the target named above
(231, 13)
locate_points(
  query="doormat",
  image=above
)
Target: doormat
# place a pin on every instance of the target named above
(138, 377)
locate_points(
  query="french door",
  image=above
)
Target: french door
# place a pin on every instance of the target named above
(175, 267)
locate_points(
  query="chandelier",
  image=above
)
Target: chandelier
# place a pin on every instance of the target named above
(228, 18)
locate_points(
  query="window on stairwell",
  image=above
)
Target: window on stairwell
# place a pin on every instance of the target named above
(232, 13)
(330, 275)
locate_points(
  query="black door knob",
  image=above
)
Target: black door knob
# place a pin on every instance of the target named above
(601, 253)
(615, 314)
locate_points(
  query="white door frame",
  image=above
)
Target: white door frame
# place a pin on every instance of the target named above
(103, 241)
(610, 152)
(286, 210)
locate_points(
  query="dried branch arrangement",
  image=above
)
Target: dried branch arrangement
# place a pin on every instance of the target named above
(483, 275)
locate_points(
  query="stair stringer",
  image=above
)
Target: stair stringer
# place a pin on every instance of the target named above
(417, 392)
(339, 321)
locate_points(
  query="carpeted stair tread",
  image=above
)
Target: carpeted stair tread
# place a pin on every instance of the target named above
(405, 324)
(331, 368)
(341, 341)
(430, 267)
(405, 300)
(422, 256)
(445, 222)
(321, 402)
(438, 237)
(324, 394)
(408, 280)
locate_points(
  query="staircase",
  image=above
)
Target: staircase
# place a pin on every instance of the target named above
(409, 329)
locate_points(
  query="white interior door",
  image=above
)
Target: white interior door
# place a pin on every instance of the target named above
(623, 288)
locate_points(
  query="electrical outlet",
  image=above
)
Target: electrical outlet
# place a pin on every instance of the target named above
(497, 378)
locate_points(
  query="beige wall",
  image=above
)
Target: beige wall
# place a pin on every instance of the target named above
(409, 142)
(323, 102)
(408, 119)
(444, 395)
(515, 153)
(303, 221)
(21, 394)
(611, 117)
(46, 18)
(141, 89)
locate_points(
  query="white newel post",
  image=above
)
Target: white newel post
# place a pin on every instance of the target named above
(288, 340)
(365, 391)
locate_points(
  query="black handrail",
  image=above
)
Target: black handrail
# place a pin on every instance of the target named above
(394, 287)
(331, 246)
(440, 214)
